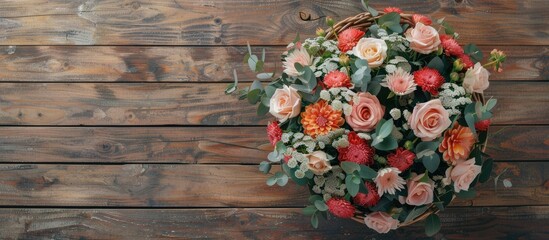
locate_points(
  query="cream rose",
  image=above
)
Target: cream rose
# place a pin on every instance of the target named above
(285, 103)
(372, 50)
(476, 79)
(429, 120)
(366, 113)
(381, 222)
(423, 39)
(419, 193)
(318, 162)
(463, 174)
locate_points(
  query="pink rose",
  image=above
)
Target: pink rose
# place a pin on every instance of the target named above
(463, 174)
(429, 120)
(285, 103)
(318, 162)
(423, 39)
(476, 79)
(381, 222)
(366, 113)
(419, 193)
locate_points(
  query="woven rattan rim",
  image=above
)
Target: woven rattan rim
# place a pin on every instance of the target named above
(363, 21)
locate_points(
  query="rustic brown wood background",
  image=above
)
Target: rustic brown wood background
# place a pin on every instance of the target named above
(114, 124)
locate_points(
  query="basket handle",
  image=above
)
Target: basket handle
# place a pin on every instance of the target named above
(362, 21)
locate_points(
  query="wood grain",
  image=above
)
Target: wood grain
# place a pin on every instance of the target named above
(195, 104)
(259, 223)
(190, 64)
(168, 185)
(235, 145)
(219, 22)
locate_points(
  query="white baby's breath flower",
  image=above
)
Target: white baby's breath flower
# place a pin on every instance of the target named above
(292, 163)
(395, 113)
(286, 137)
(337, 105)
(365, 136)
(347, 109)
(321, 145)
(326, 197)
(299, 174)
(406, 114)
(335, 91)
(307, 138)
(397, 134)
(317, 189)
(298, 135)
(405, 126)
(390, 68)
(325, 95)
(303, 167)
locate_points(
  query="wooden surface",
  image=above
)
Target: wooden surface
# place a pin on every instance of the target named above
(131, 137)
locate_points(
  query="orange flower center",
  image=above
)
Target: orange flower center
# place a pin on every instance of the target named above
(321, 121)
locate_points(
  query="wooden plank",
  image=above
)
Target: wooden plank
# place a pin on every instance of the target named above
(238, 145)
(189, 64)
(167, 185)
(216, 22)
(244, 223)
(195, 104)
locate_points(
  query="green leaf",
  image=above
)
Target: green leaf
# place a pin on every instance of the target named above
(299, 67)
(385, 129)
(309, 210)
(262, 109)
(291, 172)
(486, 170)
(280, 147)
(372, 11)
(491, 103)
(352, 187)
(470, 120)
(264, 76)
(314, 198)
(233, 86)
(256, 84)
(263, 55)
(436, 63)
(265, 167)
(432, 225)
(350, 167)
(416, 212)
(448, 29)
(367, 172)
(259, 66)
(314, 220)
(254, 96)
(282, 181)
(473, 51)
(274, 156)
(387, 144)
(431, 162)
(252, 62)
(439, 205)
(389, 19)
(321, 205)
(271, 180)
(249, 48)
(467, 194)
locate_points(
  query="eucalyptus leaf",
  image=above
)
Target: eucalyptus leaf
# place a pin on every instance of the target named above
(282, 181)
(385, 129)
(436, 63)
(490, 104)
(254, 96)
(314, 220)
(467, 194)
(252, 62)
(271, 180)
(416, 212)
(265, 167)
(321, 205)
(314, 198)
(473, 51)
(387, 144)
(309, 210)
(470, 120)
(352, 187)
(431, 162)
(367, 172)
(274, 156)
(350, 167)
(256, 84)
(264, 76)
(432, 225)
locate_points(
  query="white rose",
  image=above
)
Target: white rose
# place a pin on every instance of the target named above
(476, 79)
(285, 103)
(372, 50)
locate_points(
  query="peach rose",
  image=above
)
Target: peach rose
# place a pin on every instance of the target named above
(429, 120)
(318, 162)
(285, 103)
(476, 79)
(366, 113)
(372, 50)
(381, 222)
(463, 174)
(419, 193)
(423, 39)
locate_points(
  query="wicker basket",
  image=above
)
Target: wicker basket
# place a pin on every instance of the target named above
(363, 21)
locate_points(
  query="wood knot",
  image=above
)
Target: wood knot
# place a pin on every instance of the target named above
(308, 17)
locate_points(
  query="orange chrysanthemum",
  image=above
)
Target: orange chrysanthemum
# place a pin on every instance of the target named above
(320, 118)
(457, 144)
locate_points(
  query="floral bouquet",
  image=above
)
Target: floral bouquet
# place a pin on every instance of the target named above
(381, 116)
